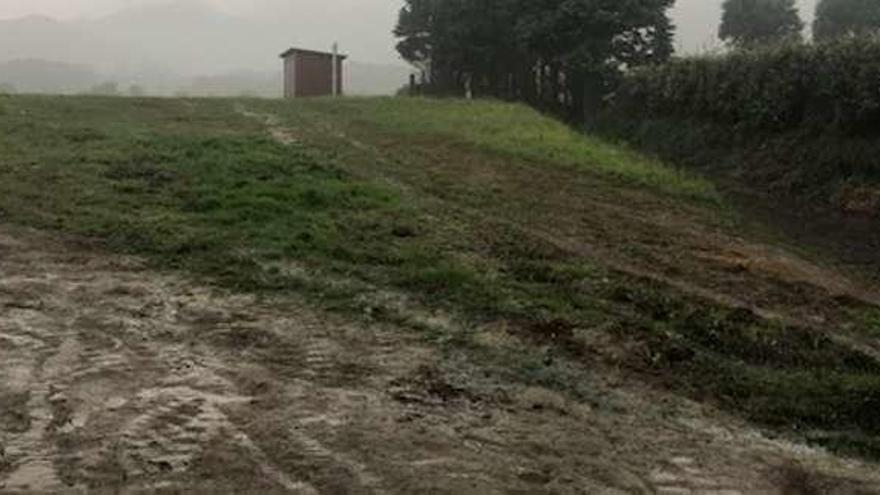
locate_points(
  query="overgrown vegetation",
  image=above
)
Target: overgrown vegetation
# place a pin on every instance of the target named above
(794, 119)
(389, 195)
(826, 87)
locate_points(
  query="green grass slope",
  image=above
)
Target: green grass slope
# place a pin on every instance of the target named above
(518, 131)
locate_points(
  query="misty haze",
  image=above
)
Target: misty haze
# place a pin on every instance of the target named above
(192, 46)
(226, 47)
(463, 247)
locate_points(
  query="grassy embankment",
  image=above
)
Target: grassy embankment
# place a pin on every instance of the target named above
(576, 248)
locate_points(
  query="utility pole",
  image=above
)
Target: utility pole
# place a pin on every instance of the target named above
(335, 69)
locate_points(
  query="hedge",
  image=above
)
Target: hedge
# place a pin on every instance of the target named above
(824, 86)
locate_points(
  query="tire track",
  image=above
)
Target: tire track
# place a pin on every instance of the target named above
(33, 455)
(27, 351)
(682, 475)
(323, 376)
(80, 359)
(172, 430)
(319, 358)
(175, 421)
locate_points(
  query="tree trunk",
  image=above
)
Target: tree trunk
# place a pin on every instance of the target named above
(593, 92)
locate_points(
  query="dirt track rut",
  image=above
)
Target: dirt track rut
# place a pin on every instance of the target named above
(115, 378)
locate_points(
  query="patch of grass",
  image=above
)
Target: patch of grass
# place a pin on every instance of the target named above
(786, 377)
(196, 186)
(192, 185)
(868, 321)
(518, 131)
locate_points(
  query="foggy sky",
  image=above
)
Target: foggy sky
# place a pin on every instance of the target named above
(72, 9)
(697, 20)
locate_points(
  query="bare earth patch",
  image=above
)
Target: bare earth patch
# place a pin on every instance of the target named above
(114, 378)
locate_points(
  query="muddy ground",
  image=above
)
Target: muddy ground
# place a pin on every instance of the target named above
(118, 379)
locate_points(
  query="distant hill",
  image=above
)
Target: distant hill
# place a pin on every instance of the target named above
(43, 38)
(40, 76)
(189, 38)
(183, 46)
(375, 79)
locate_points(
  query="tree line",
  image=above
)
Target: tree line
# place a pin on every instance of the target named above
(563, 56)
(750, 23)
(554, 54)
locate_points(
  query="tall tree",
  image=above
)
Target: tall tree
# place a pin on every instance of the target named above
(837, 18)
(547, 52)
(417, 30)
(586, 42)
(748, 23)
(458, 42)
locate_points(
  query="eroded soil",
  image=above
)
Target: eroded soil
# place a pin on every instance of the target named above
(118, 379)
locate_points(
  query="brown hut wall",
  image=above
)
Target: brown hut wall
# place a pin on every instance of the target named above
(314, 75)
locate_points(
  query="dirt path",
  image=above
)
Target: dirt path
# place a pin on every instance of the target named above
(116, 379)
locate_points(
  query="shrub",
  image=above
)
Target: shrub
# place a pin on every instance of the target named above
(825, 86)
